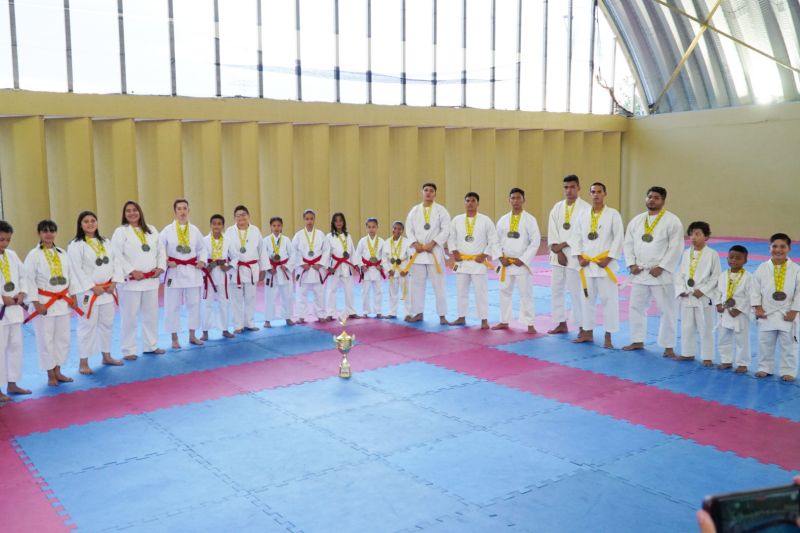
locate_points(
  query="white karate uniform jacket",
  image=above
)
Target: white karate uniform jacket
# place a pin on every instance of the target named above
(485, 242)
(129, 252)
(663, 251)
(525, 247)
(557, 234)
(439, 230)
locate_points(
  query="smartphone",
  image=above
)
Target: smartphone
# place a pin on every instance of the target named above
(771, 509)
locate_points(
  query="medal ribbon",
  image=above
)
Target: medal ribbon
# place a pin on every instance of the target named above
(395, 250)
(183, 234)
(596, 219)
(343, 241)
(514, 224)
(568, 211)
(779, 274)
(54, 262)
(470, 227)
(648, 228)
(310, 240)
(426, 213)
(243, 239)
(140, 234)
(693, 262)
(276, 246)
(733, 284)
(5, 268)
(97, 247)
(217, 247)
(373, 250)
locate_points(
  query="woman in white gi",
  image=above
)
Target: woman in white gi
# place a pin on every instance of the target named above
(142, 258)
(14, 289)
(94, 258)
(340, 267)
(313, 253)
(280, 254)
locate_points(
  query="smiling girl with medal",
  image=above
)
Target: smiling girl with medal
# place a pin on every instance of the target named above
(369, 257)
(734, 289)
(216, 280)
(341, 267)
(13, 289)
(396, 252)
(186, 259)
(249, 265)
(141, 255)
(313, 254)
(776, 300)
(51, 274)
(94, 256)
(280, 254)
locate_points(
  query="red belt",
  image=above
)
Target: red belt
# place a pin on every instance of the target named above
(339, 262)
(105, 285)
(54, 297)
(249, 265)
(180, 262)
(146, 275)
(207, 278)
(376, 264)
(311, 262)
(276, 264)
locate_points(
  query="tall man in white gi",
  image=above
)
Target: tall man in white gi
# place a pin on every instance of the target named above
(519, 239)
(246, 250)
(597, 239)
(653, 247)
(472, 242)
(565, 265)
(427, 227)
(186, 257)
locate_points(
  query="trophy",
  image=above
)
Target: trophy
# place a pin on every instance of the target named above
(344, 342)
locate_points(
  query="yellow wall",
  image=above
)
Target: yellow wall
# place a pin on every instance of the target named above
(738, 169)
(62, 153)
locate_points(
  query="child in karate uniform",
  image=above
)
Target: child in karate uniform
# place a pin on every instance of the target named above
(369, 256)
(734, 288)
(280, 254)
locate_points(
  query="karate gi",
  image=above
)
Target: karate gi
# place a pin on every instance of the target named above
(344, 268)
(311, 281)
(372, 279)
(735, 329)
(247, 267)
(11, 320)
(697, 314)
(398, 285)
(484, 241)
(182, 283)
(427, 264)
(565, 278)
(523, 248)
(216, 287)
(774, 329)
(280, 282)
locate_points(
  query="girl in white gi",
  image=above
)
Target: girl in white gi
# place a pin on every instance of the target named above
(696, 288)
(216, 293)
(653, 245)
(142, 257)
(776, 299)
(96, 260)
(51, 274)
(313, 253)
(13, 288)
(597, 245)
(734, 289)
(427, 227)
(519, 239)
(186, 258)
(369, 257)
(396, 252)
(341, 267)
(247, 259)
(472, 242)
(565, 277)
(279, 252)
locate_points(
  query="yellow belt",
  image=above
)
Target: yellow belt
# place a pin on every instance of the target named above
(414, 258)
(472, 258)
(596, 259)
(503, 268)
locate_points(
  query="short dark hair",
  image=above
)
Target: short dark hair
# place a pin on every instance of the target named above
(472, 194)
(344, 223)
(781, 237)
(658, 190)
(5, 227)
(702, 226)
(275, 219)
(516, 190)
(572, 177)
(179, 201)
(429, 184)
(80, 235)
(46, 225)
(240, 208)
(216, 216)
(371, 219)
(396, 222)
(739, 248)
(142, 224)
(599, 184)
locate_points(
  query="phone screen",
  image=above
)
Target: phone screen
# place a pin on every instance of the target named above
(768, 510)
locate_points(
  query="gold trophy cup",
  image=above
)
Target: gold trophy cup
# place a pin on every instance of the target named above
(344, 342)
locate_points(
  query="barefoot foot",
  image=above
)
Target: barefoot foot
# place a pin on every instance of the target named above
(501, 325)
(460, 321)
(708, 363)
(607, 342)
(4, 398)
(787, 378)
(130, 357)
(741, 369)
(560, 328)
(762, 374)
(584, 336)
(725, 366)
(484, 324)
(111, 361)
(633, 346)
(532, 330)
(13, 388)
(227, 334)
(196, 341)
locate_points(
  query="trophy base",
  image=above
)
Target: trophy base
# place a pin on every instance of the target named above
(344, 372)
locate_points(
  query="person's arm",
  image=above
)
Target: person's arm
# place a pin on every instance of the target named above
(628, 249)
(672, 254)
(536, 240)
(552, 230)
(202, 249)
(492, 249)
(615, 250)
(118, 243)
(709, 286)
(451, 237)
(161, 252)
(443, 234)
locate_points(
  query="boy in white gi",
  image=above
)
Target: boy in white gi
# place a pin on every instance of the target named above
(396, 252)
(186, 258)
(472, 242)
(370, 258)
(341, 267)
(734, 289)
(776, 301)
(94, 258)
(278, 250)
(245, 250)
(696, 288)
(653, 245)
(597, 245)
(565, 265)
(519, 239)
(313, 253)
(216, 293)
(427, 227)
(14, 289)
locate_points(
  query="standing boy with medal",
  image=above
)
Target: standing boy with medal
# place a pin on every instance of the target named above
(653, 245)
(776, 301)
(369, 256)
(14, 285)
(519, 240)
(472, 242)
(216, 294)
(313, 254)
(278, 251)
(396, 251)
(696, 286)
(734, 290)
(246, 252)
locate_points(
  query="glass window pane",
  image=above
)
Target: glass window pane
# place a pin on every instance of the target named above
(194, 47)
(147, 61)
(94, 27)
(506, 55)
(532, 55)
(581, 46)
(449, 60)
(317, 50)
(419, 52)
(6, 70)
(41, 45)
(279, 40)
(238, 44)
(353, 50)
(605, 44)
(557, 35)
(479, 53)
(387, 52)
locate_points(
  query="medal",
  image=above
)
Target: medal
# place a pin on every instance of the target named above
(373, 259)
(513, 235)
(311, 253)
(62, 280)
(730, 303)
(592, 235)
(690, 282)
(469, 238)
(105, 260)
(779, 296)
(346, 255)
(54, 280)
(276, 257)
(145, 247)
(566, 225)
(427, 226)
(187, 249)
(8, 287)
(98, 261)
(647, 237)
(648, 228)
(242, 249)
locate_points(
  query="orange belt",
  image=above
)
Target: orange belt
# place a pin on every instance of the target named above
(105, 285)
(54, 297)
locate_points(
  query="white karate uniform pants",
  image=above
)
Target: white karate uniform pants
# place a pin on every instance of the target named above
(287, 301)
(728, 337)
(637, 313)
(608, 293)
(376, 287)
(10, 353)
(396, 284)
(173, 298)
(94, 333)
(52, 340)
(527, 310)
(698, 321)
(787, 345)
(317, 304)
(419, 274)
(565, 280)
(243, 302)
(136, 305)
(215, 310)
(347, 284)
(463, 281)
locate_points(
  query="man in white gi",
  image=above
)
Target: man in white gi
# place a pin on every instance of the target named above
(246, 252)
(653, 246)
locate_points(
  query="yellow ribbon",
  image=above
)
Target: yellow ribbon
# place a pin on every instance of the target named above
(472, 258)
(596, 259)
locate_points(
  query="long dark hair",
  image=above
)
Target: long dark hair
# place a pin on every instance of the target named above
(46, 225)
(80, 235)
(333, 226)
(142, 224)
